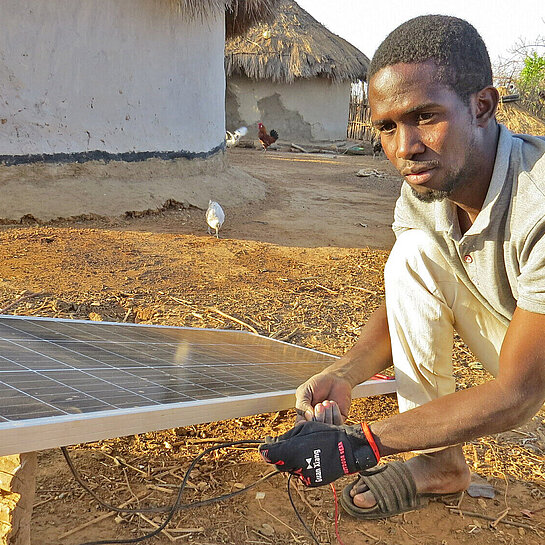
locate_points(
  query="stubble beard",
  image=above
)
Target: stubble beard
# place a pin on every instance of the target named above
(453, 180)
(434, 195)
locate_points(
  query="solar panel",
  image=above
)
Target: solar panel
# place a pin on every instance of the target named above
(72, 381)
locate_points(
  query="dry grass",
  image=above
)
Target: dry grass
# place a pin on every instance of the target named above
(519, 120)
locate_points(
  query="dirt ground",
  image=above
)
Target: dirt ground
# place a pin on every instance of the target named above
(304, 265)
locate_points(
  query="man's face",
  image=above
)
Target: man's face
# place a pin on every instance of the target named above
(427, 131)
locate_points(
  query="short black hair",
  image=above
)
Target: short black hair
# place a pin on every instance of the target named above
(451, 43)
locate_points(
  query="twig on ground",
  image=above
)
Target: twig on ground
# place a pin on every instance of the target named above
(217, 311)
(410, 535)
(228, 316)
(160, 488)
(299, 148)
(193, 440)
(38, 504)
(100, 518)
(275, 517)
(370, 536)
(129, 486)
(289, 335)
(327, 289)
(119, 461)
(500, 517)
(23, 297)
(306, 502)
(182, 301)
(492, 519)
(525, 434)
(462, 496)
(172, 539)
(362, 289)
(262, 536)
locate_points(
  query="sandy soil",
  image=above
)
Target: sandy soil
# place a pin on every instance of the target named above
(305, 265)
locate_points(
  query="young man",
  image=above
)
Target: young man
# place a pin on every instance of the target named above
(469, 256)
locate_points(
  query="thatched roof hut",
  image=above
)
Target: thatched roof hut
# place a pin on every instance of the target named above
(105, 86)
(293, 45)
(298, 73)
(239, 14)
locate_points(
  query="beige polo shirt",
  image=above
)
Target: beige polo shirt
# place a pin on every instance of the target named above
(501, 258)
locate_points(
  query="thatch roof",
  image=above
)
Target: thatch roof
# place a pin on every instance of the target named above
(239, 14)
(519, 120)
(294, 45)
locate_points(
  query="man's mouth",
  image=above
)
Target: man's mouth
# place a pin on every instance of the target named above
(418, 178)
(418, 174)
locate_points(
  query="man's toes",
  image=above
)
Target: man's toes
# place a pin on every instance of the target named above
(362, 496)
(359, 488)
(364, 500)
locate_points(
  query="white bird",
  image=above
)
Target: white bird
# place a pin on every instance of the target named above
(215, 216)
(232, 138)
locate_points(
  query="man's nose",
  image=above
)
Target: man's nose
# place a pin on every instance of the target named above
(408, 142)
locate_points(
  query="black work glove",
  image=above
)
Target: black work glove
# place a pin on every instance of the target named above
(321, 453)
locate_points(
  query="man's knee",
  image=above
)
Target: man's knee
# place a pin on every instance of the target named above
(412, 250)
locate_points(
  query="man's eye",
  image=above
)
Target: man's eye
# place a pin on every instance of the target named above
(425, 116)
(387, 127)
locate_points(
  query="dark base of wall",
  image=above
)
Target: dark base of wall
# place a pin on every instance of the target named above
(97, 155)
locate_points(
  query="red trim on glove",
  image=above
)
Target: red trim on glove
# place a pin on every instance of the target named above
(370, 440)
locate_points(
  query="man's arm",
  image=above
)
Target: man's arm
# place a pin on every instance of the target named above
(513, 397)
(371, 354)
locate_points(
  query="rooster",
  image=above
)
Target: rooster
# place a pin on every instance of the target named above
(215, 216)
(232, 138)
(376, 145)
(266, 139)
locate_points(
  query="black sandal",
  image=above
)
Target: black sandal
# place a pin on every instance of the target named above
(394, 489)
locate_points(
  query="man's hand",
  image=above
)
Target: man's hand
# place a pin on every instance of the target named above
(371, 354)
(319, 388)
(321, 453)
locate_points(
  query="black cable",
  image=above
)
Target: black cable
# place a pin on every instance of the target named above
(311, 533)
(177, 505)
(165, 509)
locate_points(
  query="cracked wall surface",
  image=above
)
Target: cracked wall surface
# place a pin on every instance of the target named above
(313, 109)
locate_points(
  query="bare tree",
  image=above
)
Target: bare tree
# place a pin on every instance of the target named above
(522, 72)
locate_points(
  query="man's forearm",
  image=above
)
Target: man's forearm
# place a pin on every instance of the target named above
(371, 354)
(501, 404)
(456, 418)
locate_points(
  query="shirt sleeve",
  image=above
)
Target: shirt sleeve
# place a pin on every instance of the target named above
(531, 282)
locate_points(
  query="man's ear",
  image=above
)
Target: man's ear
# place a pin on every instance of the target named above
(486, 101)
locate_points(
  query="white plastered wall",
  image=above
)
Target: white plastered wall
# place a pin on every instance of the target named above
(317, 103)
(109, 75)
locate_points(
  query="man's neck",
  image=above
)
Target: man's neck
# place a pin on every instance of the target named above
(464, 220)
(470, 198)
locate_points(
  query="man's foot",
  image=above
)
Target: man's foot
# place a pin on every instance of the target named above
(442, 472)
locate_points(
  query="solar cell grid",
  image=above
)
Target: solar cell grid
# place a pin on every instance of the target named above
(75, 366)
(130, 378)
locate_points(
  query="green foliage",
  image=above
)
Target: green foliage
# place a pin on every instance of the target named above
(532, 76)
